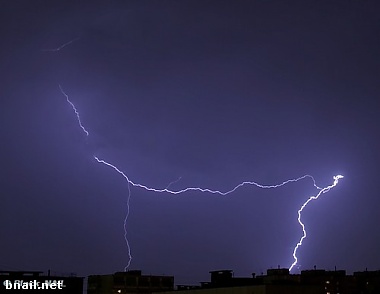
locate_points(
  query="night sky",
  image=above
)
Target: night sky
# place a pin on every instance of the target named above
(215, 92)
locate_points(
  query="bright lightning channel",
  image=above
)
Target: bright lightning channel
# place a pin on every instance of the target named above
(311, 198)
(199, 189)
(205, 190)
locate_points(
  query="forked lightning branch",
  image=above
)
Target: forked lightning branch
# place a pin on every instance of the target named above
(131, 183)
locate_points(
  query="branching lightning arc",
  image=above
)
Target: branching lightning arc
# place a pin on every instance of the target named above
(205, 190)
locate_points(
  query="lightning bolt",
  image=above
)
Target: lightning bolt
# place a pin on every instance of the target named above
(75, 110)
(62, 46)
(199, 189)
(311, 198)
(204, 190)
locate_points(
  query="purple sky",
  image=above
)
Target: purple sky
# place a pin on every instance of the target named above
(216, 92)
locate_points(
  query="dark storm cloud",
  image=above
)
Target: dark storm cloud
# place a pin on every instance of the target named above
(213, 91)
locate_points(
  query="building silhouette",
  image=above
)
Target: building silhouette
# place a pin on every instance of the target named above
(129, 282)
(275, 281)
(280, 281)
(367, 281)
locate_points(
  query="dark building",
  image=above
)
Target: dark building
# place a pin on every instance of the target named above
(333, 282)
(277, 281)
(280, 281)
(367, 282)
(278, 276)
(226, 278)
(37, 282)
(129, 282)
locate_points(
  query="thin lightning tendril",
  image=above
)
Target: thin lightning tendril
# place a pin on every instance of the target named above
(75, 110)
(173, 182)
(125, 229)
(62, 46)
(205, 190)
